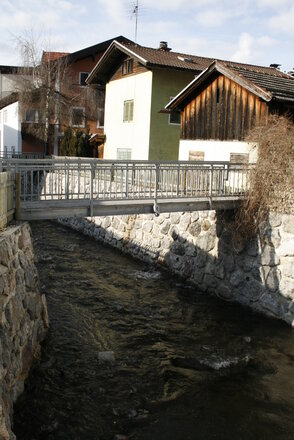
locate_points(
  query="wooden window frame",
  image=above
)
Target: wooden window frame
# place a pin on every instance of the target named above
(128, 110)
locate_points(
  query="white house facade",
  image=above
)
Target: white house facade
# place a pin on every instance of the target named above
(127, 117)
(10, 129)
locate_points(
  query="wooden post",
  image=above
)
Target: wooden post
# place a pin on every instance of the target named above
(17, 196)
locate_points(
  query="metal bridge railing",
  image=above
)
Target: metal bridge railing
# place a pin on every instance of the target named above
(94, 179)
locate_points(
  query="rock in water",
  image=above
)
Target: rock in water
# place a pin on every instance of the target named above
(106, 356)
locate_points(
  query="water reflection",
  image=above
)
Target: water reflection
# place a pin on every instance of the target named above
(179, 366)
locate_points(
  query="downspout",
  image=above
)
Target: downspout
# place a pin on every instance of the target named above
(56, 116)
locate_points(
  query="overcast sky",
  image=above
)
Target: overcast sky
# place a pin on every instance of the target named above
(251, 31)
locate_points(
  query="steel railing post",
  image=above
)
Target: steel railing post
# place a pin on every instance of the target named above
(91, 189)
(155, 206)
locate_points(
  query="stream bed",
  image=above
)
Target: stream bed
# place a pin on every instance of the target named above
(134, 353)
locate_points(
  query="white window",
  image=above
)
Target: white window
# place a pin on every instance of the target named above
(31, 115)
(5, 116)
(124, 153)
(128, 110)
(100, 118)
(174, 118)
(78, 117)
(0, 117)
(82, 78)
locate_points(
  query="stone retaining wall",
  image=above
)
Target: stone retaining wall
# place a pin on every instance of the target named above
(201, 247)
(23, 318)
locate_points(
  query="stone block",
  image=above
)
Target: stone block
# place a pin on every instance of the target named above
(251, 291)
(195, 229)
(225, 292)
(206, 242)
(184, 222)
(165, 227)
(166, 243)
(201, 259)
(174, 233)
(147, 226)
(115, 222)
(197, 276)
(175, 218)
(106, 222)
(286, 249)
(275, 220)
(269, 257)
(205, 225)
(194, 216)
(138, 223)
(271, 277)
(5, 253)
(252, 248)
(287, 288)
(156, 243)
(237, 278)
(288, 268)
(228, 262)
(210, 281)
(288, 224)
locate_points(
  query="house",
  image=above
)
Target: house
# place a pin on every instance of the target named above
(11, 78)
(219, 107)
(42, 117)
(139, 81)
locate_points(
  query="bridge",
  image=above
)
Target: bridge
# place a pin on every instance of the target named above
(66, 187)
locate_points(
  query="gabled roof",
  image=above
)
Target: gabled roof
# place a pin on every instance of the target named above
(90, 51)
(265, 82)
(95, 49)
(151, 58)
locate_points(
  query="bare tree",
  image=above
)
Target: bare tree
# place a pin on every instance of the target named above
(48, 87)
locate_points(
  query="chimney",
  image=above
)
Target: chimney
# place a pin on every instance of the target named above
(164, 46)
(275, 66)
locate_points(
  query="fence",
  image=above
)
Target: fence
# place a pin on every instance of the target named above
(6, 198)
(59, 179)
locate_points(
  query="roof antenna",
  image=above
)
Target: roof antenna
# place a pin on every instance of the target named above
(135, 12)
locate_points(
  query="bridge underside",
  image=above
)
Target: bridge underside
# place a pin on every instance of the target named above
(52, 209)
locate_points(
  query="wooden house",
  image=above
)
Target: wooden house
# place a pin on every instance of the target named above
(219, 107)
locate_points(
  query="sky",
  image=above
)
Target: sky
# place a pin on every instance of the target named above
(250, 31)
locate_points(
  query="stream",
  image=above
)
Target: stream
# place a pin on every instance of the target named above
(134, 353)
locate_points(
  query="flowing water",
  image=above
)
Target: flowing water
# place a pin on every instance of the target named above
(134, 353)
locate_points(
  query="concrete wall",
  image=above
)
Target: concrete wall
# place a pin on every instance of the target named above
(217, 150)
(135, 134)
(201, 248)
(23, 319)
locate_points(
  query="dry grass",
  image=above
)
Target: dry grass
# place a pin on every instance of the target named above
(272, 180)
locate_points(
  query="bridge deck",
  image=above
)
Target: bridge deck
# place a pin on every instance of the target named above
(52, 209)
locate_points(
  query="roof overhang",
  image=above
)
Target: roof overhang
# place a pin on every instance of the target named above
(216, 67)
(115, 53)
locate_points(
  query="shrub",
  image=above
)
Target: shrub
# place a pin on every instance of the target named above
(76, 143)
(272, 180)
